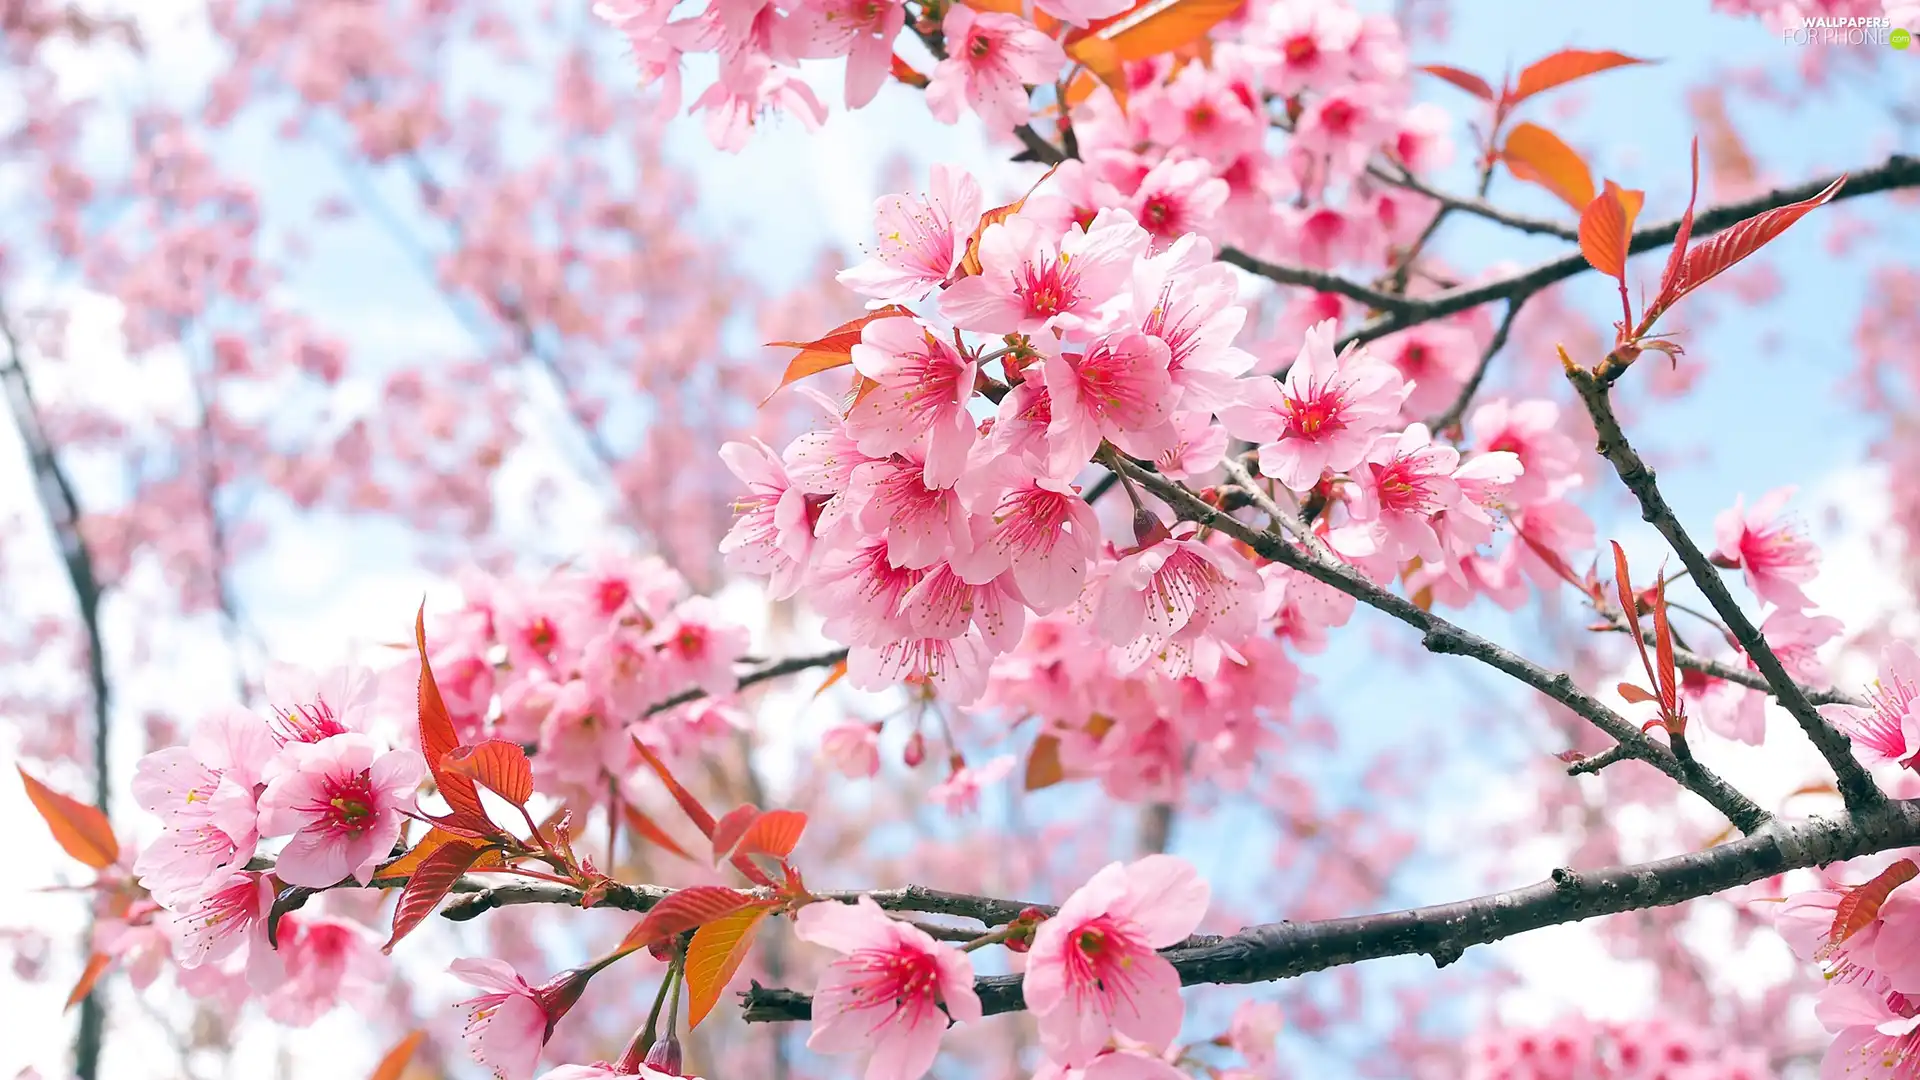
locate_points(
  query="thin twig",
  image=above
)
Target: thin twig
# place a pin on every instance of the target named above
(772, 671)
(1856, 785)
(1464, 400)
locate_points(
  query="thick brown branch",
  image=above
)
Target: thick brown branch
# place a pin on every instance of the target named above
(1445, 931)
(1441, 636)
(1856, 786)
(478, 897)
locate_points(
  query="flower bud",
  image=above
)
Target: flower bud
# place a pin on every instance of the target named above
(916, 751)
(1020, 932)
(665, 1056)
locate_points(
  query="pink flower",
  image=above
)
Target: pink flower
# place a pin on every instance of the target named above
(860, 591)
(604, 1071)
(1042, 531)
(921, 239)
(1342, 127)
(1255, 1026)
(773, 534)
(991, 59)
(1031, 282)
(1403, 483)
(1118, 391)
(920, 402)
(1201, 112)
(326, 962)
(734, 107)
(309, 706)
(923, 524)
(885, 994)
(1324, 418)
(698, 646)
(508, 1025)
(226, 918)
(1309, 42)
(1888, 730)
(943, 605)
(1877, 1033)
(854, 749)
(1776, 558)
(1093, 971)
(860, 30)
(1534, 432)
(1122, 1063)
(1435, 360)
(956, 668)
(1182, 296)
(1178, 197)
(1198, 446)
(1082, 12)
(204, 795)
(341, 799)
(959, 793)
(1178, 592)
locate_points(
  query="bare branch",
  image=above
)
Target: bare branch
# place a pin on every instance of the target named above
(1856, 785)
(772, 671)
(1445, 931)
(1499, 341)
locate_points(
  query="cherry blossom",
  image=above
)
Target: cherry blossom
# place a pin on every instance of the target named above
(892, 991)
(341, 799)
(1772, 551)
(1325, 416)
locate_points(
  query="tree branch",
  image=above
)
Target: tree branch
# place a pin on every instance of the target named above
(1856, 785)
(1461, 403)
(1445, 931)
(771, 671)
(1441, 636)
(1898, 171)
(1480, 208)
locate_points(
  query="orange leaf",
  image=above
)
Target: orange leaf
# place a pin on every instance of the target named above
(730, 828)
(686, 909)
(1630, 201)
(1678, 256)
(1861, 905)
(97, 965)
(1539, 156)
(838, 672)
(1564, 67)
(497, 765)
(775, 833)
(1104, 65)
(1083, 86)
(639, 822)
(970, 261)
(1043, 763)
(1624, 586)
(394, 1064)
(714, 956)
(831, 351)
(428, 885)
(1669, 679)
(82, 831)
(399, 870)
(1152, 27)
(1721, 251)
(1465, 80)
(437, 738)
(1635, 694)
(1604, 232)
(688, 804)
(904, 72)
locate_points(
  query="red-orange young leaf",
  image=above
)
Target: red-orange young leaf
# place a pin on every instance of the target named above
(1152, 27)
(97, 965)
(775, 833)
(1465, 80)
(905, 72)
(497, 765)
(437, 739)
(428, 885)
(1719, 252)
(686, 909)
(1564, 67)
(1604, 232)
(834, 675)
(1861, 905)
(640, 823)
(688, 804)
(730, 828)
(1678, 256)
(82, 831)
(1538, 156)
(1623, 585)
(1043, 763)
(1669, 678)
(397, 872)
(714, 956)
(1635, 694)
(832, 350)
(394, 1065)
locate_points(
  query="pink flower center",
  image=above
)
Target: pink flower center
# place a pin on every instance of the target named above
(691, 641)
(1158, 212)
(1048, 289)
(305, 723)
(1337, 117)
(1774, 548)
(1314, 413)
(1405, 488)
(1100, 964)
(1201, 117)
(1883, 727)
(612, 595)
(350, 804)
(901, 981)
(1413, 361)
(1301, 49)
(541, 635)
(979, 46)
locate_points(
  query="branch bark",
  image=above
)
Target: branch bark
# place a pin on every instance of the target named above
(1856, 785)
(1445, 931)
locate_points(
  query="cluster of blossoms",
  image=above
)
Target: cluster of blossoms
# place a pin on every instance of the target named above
(1575, 1048)
(313, 774)
(935, 521)
(1866, 940)
(1108, 1004)
(576, 664)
